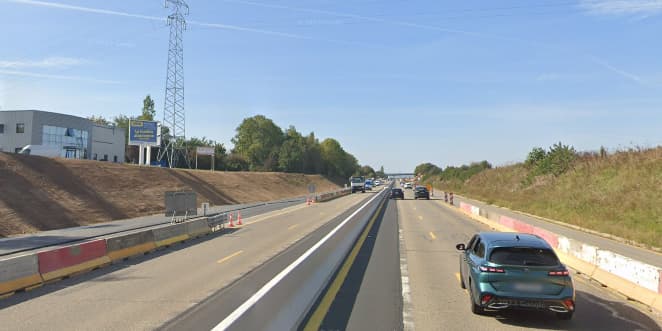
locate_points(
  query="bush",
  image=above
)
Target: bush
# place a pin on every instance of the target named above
(557, 161)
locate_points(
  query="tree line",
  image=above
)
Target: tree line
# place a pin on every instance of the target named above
(259, 145)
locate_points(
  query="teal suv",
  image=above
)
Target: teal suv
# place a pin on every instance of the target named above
(504, 270)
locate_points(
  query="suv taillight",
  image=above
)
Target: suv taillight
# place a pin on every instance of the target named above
(491, 269)
(559, 273)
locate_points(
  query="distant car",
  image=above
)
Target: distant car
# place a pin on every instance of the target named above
(368, 185)
(408, 185)
(421, 193)
(397, 193)
(377, 183)
(515, 271)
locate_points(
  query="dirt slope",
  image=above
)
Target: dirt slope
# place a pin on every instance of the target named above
(38, 193)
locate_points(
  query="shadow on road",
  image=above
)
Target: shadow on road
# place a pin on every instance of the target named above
(593, 313)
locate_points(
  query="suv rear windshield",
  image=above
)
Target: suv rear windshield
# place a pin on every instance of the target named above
(524, 256)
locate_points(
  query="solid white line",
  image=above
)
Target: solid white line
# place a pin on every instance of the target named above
(407, 315)
(236, 314)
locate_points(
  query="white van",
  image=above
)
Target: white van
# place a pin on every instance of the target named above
(41, 150)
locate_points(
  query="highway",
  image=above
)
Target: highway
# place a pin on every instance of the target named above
(401, 273)
(430, 231)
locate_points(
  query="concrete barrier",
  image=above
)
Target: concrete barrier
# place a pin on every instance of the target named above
(123, 246)
(19, 272)
(328, 196)
(465, 207)
(475, 210)
(197, 228)
(70, 260)
(170, 234)
(642, 274)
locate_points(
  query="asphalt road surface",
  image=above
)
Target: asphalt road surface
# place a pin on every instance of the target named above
(371, 297)
(147, 292)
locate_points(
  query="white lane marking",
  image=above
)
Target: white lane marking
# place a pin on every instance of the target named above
(407, 315)
(236, 314)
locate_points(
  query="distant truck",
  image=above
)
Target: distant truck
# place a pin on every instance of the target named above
(357, 183)
(41, 150)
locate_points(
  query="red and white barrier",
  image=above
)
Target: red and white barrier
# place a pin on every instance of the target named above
(65, 261)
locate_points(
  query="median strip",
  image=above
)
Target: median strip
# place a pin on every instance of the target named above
(317, 317)
(257, 296)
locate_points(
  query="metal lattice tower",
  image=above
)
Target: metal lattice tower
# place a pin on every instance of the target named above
(173, 112)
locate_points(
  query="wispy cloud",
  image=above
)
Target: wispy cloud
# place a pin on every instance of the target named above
(47, 63)
(63, 6)
(623, 7)
(628, 75)
(61, 77)
(85, 9)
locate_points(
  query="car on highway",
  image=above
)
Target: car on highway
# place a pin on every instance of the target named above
(507, 270)
(421, 192)
(408, 186)
(368, 185)
(397, 193)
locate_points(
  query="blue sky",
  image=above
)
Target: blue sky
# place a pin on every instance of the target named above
(397, 82)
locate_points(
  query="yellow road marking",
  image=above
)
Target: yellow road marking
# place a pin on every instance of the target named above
(229, 257)
(433, 236)
(315, 321)
(292, 226)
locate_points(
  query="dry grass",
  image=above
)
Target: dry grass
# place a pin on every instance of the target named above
(619, 194)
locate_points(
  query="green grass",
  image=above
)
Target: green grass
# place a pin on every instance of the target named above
(620, 194)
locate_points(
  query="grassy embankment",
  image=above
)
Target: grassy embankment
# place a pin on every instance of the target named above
(618, 194)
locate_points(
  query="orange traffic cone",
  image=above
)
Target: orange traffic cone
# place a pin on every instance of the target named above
(239, 218)
(231, 224)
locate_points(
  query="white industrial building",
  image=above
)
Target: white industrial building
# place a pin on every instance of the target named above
(62, 135)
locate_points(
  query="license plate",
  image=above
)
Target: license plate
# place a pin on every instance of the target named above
(526, 303)
(528, 287)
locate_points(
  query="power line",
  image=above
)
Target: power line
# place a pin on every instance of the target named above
(174, 116)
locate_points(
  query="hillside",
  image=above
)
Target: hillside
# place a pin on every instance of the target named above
(618, 194)
(38, 193)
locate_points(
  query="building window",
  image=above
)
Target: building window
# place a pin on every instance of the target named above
(95, 157)
(115, 158)
(20, 128)
(105, 157)
(2, 128)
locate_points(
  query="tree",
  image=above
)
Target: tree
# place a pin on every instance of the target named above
(312, 158)
(367, 171)
(337, 162)
(380, 173)
(292, 152)
(536, 155)
(148, 111)
(99, 120)
(258, 141)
